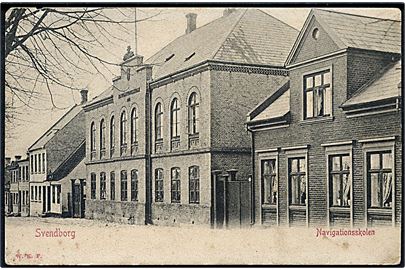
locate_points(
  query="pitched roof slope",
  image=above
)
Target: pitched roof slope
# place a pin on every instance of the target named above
(362, 32)
(384, 86)
(50, 133)
(246, 36)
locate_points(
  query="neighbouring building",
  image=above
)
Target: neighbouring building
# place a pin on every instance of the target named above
(57, 169)
(328, 143)
(7, 179)
(19, 186)
(155, 137)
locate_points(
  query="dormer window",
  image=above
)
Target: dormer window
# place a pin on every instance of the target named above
(318, 94)
(170, 57)
(189, 57)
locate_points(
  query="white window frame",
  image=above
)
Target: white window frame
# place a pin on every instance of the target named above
(266, 155)
(339, 148)
(378, 145)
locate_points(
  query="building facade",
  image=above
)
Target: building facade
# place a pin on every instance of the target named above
(328, 143)
(57, 164)
(156, 136)
(19, 186)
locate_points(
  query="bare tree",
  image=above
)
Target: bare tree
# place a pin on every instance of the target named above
(47, 48)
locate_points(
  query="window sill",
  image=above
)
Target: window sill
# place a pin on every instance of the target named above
(269, 206)
(337, 209)
(379, 211)
(297, 207)
(317, 120)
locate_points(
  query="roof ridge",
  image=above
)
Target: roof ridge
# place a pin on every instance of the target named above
(357, 15)
(283, 22)
(47, 131)
(230, 31)
(372, 80)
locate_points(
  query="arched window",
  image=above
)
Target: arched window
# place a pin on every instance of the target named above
(134, 130)
(193, 114)
(134, 185)
(174, 119)
(93, 140)
(112, 136)
(123, 134)
(158, 122)
(102, 138)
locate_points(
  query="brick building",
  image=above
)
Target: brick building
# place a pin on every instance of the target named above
(57, 166)
(7, 181)
(165, 124)
(328, 143)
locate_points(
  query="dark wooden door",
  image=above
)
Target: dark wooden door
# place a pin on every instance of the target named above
(76, 200)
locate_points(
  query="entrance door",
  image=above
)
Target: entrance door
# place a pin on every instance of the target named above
(78, 199)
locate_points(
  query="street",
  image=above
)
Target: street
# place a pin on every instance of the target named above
(81, 241)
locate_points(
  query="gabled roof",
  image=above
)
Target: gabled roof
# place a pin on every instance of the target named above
(50, 133)
(274, 109)
(248, 36)
(383, 87)
(355, 31)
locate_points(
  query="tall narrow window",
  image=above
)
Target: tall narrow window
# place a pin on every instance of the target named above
(36, 163)
(39, 163)
(93, 186)
(112, 186)
(379, 179)
(134, 131)
(194, 184)
(124, 186)
(159, 190)
(32, 163)
(174, 119)
(58, 190)
(102, 138)
(193, 107)
(112, 136)
(317, 95)
(102, 186)
(93, 141)
(297, 181)
(123, 133)
(175, 184)
(158, 122)
(43, 163)
(134, 185)
(269, 181)
(339, 177)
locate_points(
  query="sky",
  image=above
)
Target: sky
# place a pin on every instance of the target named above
(152, 35)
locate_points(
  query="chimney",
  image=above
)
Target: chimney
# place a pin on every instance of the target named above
(84, 93)
(8, 161)
(191, 22)
(228, 11)
(17, 158)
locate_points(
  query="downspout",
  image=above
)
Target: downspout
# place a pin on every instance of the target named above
(148, 160)
(252, 199)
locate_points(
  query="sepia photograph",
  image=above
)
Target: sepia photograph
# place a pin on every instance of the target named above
(188, 134)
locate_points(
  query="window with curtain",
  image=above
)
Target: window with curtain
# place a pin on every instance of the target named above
(134, 185)
(159, 190)
(297, 181)
(339, 180)
(102, 138)
(379, 179)
(112, 136)
(123, 132)
(194, 184)
(93, 141)
(193, 107)
(124, 186)
(269, 181)
(174, 119)
(158, 122)
(175, 185)
(317, 95)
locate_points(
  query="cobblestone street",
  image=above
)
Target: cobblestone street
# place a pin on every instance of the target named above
(46, 241)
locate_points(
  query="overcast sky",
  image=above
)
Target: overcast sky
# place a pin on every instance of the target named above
(152, 36)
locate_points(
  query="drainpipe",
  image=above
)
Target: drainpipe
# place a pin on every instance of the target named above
(252, 183)
(148, 161)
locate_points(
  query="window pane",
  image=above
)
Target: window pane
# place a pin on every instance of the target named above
(328, 101)
(319, 101)
(309, 82)
(346, 190)
(302, 165)
(375, 161)
(346, 162)
(267, 189)
(336, 163)
(387, 189)
(310, 104)
(294, 190)
(303, 193)
(326, 78)
(387, 161)
(375, 190)
(336, 191)
(318, 81)
(294, 165)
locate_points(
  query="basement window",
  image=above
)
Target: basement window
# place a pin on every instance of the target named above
(170, 57)
(189, 57)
